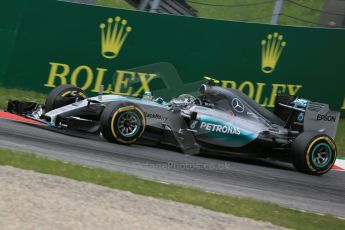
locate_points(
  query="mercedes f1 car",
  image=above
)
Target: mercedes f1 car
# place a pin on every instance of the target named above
(222, 121)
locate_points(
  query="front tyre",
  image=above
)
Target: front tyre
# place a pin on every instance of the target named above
(122, 123)
(63, 95)
(313, 153)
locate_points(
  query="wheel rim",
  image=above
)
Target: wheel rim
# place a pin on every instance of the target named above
(321, 155)
(128, 124)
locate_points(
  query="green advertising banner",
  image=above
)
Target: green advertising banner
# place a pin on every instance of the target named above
(48, 43)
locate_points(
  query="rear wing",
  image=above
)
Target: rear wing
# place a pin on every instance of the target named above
(318, 117)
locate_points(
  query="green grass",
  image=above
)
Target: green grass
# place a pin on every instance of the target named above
(114, 3)
(6, 94)
(246, 13)
(305, 14)
(233, 13)
(23, 95)
(340, 139)
(242, 207)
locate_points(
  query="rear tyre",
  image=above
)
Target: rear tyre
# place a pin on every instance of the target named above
(313, 153)
(122, 123)
(63, 95)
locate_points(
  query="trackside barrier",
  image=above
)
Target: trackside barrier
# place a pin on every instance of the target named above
(47, 43)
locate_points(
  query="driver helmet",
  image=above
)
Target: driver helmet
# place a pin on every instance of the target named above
(148, 96)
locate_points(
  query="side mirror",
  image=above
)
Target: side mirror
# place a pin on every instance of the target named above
(101, 91)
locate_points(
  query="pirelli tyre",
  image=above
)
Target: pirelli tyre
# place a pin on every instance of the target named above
(63, 95)
(122, 123)
(313, 153)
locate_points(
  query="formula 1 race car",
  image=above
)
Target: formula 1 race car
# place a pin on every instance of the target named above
(224, 121)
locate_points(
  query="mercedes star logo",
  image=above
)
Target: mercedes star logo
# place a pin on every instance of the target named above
(237, 105)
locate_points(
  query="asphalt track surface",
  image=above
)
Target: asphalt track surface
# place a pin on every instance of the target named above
(260, 179)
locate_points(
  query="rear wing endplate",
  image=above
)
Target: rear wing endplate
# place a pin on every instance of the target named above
(318, 117)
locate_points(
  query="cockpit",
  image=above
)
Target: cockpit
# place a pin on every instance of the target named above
(237, 102)
(183, 101)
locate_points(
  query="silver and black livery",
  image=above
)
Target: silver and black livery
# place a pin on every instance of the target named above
(222, 121)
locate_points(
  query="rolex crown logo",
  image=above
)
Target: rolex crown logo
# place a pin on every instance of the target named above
(272, 48)
(114, 34)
